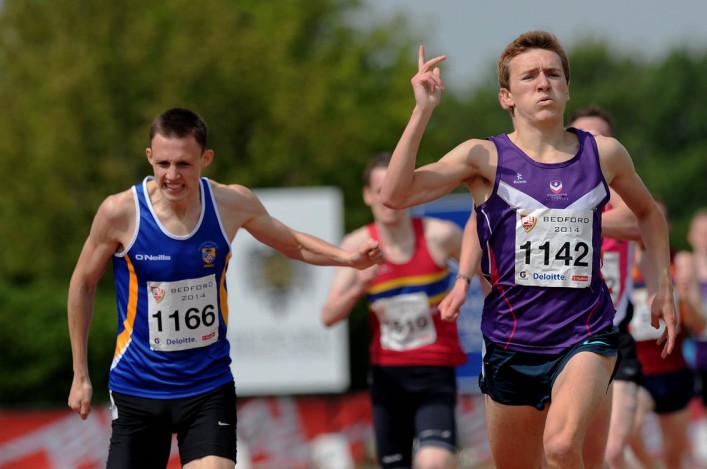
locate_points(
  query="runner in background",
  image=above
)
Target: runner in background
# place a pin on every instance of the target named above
(413, 352)
(611, 429)
(691, 284)
(668, 380)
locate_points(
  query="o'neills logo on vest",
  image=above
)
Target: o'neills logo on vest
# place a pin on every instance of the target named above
(152, 257)
(528, 222)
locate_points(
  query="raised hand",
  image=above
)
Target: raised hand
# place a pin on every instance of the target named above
(427, 82)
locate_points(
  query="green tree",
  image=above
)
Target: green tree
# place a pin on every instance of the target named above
(293, 96)
(659, 118)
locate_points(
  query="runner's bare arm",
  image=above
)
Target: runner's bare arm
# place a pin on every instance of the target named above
(622, 177)
(108, 231)
(296, 244)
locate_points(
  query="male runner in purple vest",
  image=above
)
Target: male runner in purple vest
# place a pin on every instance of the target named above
(551, 347)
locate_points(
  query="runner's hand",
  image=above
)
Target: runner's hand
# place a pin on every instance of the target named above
(427, 82)
(450, 307)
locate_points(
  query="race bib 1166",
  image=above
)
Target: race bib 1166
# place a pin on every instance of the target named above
(183, 314)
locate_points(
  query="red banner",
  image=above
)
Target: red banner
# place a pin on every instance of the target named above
(273, 433)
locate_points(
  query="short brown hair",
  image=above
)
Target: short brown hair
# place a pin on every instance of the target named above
(594, 111)
(381, 160)
(525, 42)
(180, 122)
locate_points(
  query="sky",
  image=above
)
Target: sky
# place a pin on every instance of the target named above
(473, 33)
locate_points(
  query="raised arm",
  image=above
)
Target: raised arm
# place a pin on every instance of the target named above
(112, 219)
(622, 177)
(404, 186)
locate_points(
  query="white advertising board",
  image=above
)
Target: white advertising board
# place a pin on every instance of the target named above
(278, 343)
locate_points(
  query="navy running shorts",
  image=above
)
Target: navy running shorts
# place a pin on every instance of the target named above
(519, 378)
(142, 428)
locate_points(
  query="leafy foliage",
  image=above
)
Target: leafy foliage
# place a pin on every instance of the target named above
(659, 117)
(294, 96)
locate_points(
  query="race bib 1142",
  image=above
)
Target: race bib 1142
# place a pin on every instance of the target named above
(554, 248)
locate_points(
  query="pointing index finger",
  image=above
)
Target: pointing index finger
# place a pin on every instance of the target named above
(421, 58)
(423, 66)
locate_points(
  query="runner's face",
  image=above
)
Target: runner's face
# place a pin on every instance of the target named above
(538, 87)
(177, 164)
